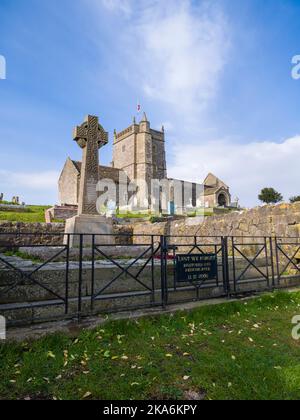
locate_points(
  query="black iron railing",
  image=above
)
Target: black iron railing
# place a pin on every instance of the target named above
(127, 272)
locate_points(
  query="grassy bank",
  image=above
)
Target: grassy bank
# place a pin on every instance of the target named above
(239, 350)
(32, 214)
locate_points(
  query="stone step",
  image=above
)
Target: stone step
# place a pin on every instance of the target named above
(53, 309)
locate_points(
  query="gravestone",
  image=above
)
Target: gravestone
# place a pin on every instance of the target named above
(90, 136)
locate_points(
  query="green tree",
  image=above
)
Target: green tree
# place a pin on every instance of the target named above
(295, 199)
(270, 196)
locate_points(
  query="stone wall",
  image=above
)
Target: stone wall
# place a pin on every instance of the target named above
(280, 220)
(68, 184)
(13, 208)
(31, 233)
(27, 234)
(60, 213)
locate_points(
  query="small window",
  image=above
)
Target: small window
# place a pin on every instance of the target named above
(123, 149)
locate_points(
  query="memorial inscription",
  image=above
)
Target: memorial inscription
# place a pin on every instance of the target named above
(194, 267)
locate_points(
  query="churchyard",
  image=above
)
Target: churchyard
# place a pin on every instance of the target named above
(92, 261)
(200, 317)
(149, 203)
(239, 350)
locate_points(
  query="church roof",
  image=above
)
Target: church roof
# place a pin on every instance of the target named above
(213, 181)
(208, 190)
(105, 171)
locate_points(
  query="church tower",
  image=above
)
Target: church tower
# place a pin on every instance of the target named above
(140, 152)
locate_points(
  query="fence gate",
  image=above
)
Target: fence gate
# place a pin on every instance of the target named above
(251, 263)
(193, 268)
(44, 278)
(131, 279)
(287, 265)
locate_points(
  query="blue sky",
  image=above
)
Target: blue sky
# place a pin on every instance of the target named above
(217, 74)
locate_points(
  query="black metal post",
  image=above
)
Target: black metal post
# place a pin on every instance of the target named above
(80, 277)
(277, 261)
(225, 266)
(216, 252)
(267, 261)
(233, 264)
(272, 261)
(93, 273)
(166, 253)
(152, 270)
(67, 276)
(163, 272)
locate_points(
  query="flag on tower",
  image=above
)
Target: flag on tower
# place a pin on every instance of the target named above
(139, 108)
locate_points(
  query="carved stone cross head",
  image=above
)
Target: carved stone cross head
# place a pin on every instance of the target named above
(90, 132)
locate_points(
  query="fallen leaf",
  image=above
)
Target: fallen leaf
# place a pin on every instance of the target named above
(51, 355)
(86, 395)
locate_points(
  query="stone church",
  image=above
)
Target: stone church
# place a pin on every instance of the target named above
(139, 154)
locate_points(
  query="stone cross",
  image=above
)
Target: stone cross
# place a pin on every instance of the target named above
(90, 136)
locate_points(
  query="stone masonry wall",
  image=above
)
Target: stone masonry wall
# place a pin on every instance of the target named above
(280, 220)
(43, 233)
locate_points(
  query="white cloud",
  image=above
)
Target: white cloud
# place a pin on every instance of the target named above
(247, 168)
(175, 52)
(31, 187)
(122, 6)
(178, 51)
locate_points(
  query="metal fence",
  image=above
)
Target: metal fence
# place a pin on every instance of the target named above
(43, 278)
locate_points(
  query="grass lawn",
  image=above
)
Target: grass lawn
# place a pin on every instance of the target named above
(239, 350)
(33, 214)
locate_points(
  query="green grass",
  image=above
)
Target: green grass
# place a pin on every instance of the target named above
(33, 214)
(239, 350)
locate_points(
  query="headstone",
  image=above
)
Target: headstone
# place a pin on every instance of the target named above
(90, 136)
